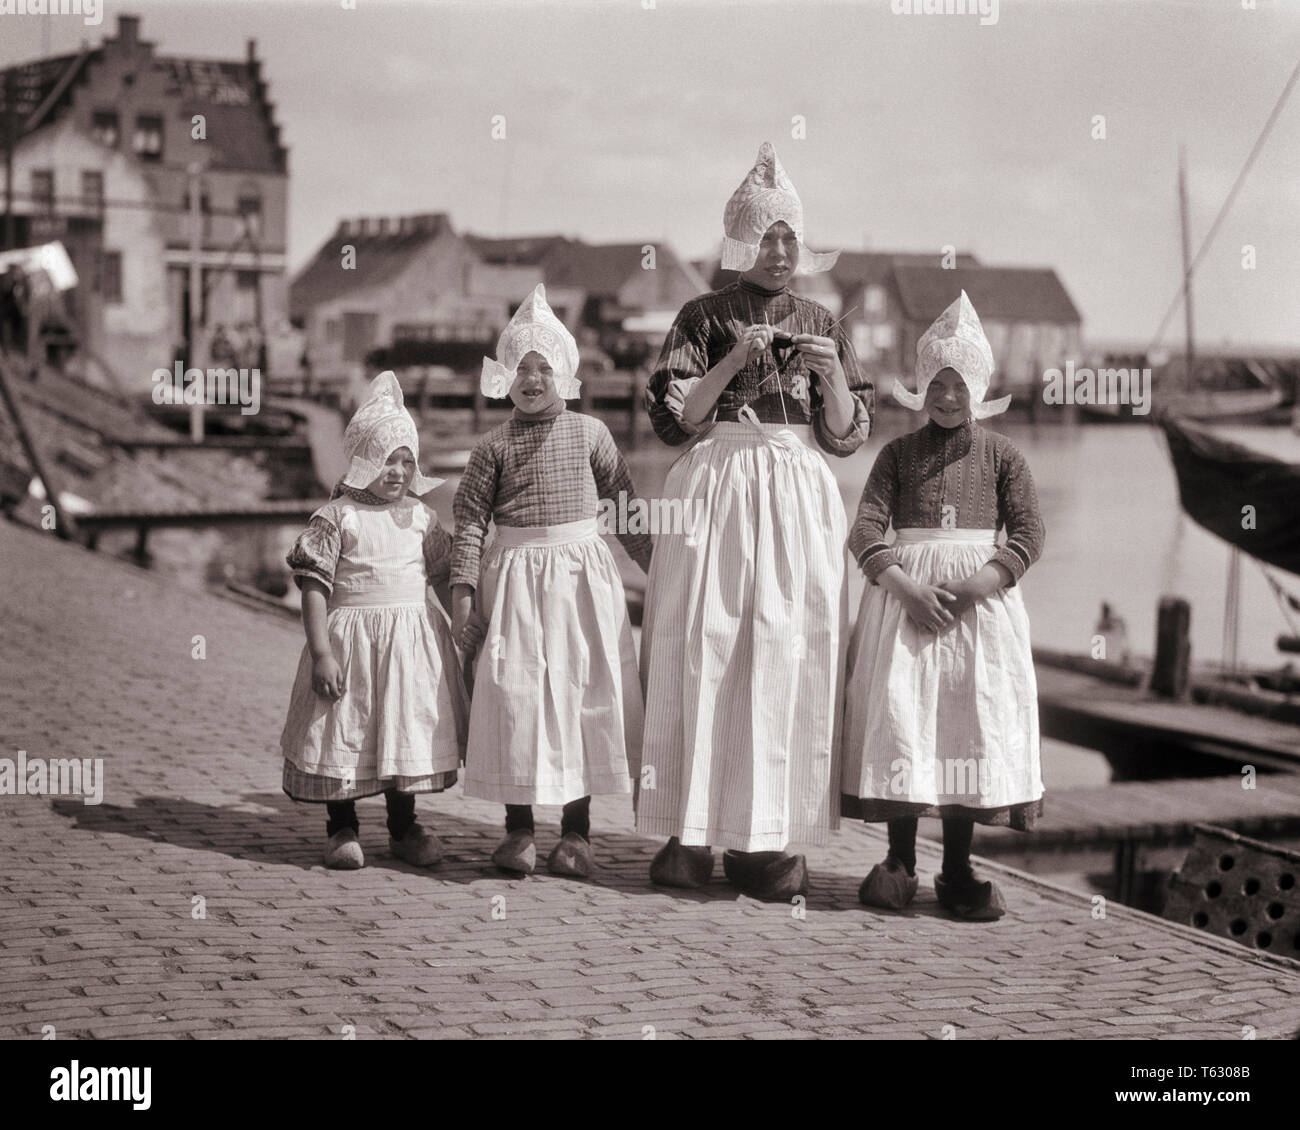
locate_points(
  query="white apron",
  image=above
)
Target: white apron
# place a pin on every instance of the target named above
(556, 705)
(943, 718)
(743, 645)
(402, 718)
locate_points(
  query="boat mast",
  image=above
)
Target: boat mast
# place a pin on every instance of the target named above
(1187, 266)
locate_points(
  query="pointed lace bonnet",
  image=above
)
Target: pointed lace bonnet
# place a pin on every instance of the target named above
(955, 341)
(765, 196)
(379, 427)
(534, 328)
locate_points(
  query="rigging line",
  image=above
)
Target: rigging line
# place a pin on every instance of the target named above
(1285, 601)
(1227, 204)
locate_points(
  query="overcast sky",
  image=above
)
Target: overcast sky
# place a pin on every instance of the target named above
(630, 123)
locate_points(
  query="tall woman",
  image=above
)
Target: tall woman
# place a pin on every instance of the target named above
(744, 636)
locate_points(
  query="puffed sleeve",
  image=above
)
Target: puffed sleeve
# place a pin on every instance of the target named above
(1018, 512)
(683, 361)
(862, 392)
(437, 552)
(875, 512)
(475, 501)
(609, 469)
(316, 552)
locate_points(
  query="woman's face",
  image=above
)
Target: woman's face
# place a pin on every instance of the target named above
(947, 399)
(396, 476)
(778, 256)
(534, 388)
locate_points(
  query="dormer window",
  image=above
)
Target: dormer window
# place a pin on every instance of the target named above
(147, 141)
(105, 128)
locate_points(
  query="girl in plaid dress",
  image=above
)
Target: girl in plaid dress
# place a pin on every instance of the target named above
(378, 705)
(557, 701)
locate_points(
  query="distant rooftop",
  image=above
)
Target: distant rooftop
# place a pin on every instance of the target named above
(1023, 294)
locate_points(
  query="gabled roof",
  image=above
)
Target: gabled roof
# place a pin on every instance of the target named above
(42, 88)
(379, 258)
(603, 269)
(241, 128)
(520, 250)
(230, 95)
(1021, 294)
(854, 269)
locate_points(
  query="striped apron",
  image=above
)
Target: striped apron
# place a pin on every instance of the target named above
(556, 705)
(743, 645)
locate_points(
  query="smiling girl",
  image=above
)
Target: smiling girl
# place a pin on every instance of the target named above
(378, 705)
(557, 701)
(941, 714)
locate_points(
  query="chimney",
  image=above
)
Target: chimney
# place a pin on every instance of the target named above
(403, 224)
(383, 226)
(128, 30)
(254, 65)
(345, 227)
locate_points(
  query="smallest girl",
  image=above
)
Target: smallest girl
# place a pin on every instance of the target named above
(557, 698)
(378, 705)
(941, 712)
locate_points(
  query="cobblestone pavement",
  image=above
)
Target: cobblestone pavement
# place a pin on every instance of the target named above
(191, 902)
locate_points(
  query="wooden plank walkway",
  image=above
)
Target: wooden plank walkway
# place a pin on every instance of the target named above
(1155, 812)
(1087, 711)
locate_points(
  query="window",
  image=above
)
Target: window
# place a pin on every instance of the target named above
(110, 276)
(43, 189)
(873, 300)
(105, 128)
(148, 138)
(882, 336)
(244, 307)
(249, 207)
(92, 188)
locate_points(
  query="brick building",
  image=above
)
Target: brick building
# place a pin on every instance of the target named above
(105, 143)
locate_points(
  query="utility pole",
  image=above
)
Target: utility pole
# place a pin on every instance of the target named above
(196, 298)
(9, 127)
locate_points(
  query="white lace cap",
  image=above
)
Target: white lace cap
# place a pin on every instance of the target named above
(534, 328)
(765, 196)
(380, 425)
(955, 340)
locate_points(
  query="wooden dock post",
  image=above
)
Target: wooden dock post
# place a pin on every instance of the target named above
(1170, 672)
(480, 407)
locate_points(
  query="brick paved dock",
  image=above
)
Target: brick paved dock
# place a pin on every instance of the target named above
(101, 934)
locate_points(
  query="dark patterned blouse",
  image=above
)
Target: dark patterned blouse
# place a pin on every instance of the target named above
(978, 474)
(777, 384)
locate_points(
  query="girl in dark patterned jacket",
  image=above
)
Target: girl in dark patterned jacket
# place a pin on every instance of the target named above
(941, 710)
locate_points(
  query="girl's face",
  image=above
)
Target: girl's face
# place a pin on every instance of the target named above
(534, 388)
(778, 256)
(947, 399)
(396, 475)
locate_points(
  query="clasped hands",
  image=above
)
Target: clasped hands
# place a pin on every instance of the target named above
(935, 607)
